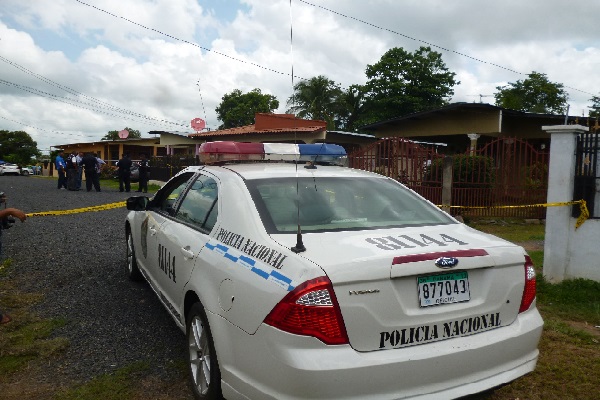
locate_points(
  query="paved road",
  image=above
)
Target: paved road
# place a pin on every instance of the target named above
(78, 263)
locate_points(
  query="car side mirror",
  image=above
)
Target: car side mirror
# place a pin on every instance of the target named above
(137, 203)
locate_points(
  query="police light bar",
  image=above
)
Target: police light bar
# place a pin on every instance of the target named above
(218, 152)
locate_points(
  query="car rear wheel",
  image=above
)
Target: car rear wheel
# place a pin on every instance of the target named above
(132, 268)
(205, 376)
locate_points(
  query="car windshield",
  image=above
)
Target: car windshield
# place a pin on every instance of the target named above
(335, 204)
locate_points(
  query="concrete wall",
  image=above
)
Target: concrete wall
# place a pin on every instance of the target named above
(569, 252)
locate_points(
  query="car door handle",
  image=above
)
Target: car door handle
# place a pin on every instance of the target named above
(187, 253)
(152, 230)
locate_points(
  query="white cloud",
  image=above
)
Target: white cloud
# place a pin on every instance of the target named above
(164, 71)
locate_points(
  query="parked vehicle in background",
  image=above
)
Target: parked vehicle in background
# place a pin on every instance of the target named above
(134, 174)
(10, 169)
(25, 171)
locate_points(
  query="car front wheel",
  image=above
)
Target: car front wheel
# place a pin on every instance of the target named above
(205, 376)
(132, 268)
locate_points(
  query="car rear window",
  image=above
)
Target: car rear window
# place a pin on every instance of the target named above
(335, 203)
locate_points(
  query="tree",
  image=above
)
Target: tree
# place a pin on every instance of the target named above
(114, 135)
(534, 94)
(402, 83)
(317, 98)
(239, 109)
(354, 107)
(17, 147)
(595, 107)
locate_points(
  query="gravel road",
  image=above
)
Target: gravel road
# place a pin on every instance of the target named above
(77, 262)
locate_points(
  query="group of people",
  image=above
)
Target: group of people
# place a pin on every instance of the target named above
(70, 171)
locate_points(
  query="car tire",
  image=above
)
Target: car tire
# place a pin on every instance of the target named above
(204, 374)
(133, 272)
(24, 173)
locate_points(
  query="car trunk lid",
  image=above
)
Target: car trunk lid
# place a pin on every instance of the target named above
(392, 294)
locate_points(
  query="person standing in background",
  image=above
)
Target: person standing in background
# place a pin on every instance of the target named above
(71, 162)
(99, 164)
(79, 157)
(90, 164)
(61, 167)
(124, 165)
(143, 170)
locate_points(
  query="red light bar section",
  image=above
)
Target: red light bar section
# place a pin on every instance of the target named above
(231, 148)
(435, 256)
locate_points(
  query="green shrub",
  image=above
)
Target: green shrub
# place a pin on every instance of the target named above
(536, 175)
(467, 171)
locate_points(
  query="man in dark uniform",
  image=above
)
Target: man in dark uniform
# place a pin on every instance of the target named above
(71, 162)
(124, 165)
(143, 169)
(90, 163)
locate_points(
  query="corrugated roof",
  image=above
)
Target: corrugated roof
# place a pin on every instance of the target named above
(249, 129)
(269, 123)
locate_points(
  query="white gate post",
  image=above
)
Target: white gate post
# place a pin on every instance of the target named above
(561, 181)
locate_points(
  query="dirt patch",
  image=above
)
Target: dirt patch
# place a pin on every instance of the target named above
(584, 326)
(532, 245)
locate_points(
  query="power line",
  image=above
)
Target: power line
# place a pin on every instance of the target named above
(45, 130)
(184, 41)
(334, 12)
(102, 105)
(430, 44)
(71, 102)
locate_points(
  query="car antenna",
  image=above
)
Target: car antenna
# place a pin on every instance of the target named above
(299, 247)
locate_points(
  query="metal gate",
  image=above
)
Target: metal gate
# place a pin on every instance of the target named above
(404, 160)
(503, 174)
(506, 172)
(587, 180)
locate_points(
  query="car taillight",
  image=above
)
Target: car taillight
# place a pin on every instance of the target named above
(529, 290)
(311, 309)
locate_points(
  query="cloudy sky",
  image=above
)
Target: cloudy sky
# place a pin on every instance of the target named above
(72, 70)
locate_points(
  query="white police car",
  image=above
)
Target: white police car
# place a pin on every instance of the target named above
(308, 281)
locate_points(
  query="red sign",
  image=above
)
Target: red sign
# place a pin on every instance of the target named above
(198, 124)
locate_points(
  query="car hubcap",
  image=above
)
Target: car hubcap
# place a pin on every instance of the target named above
(199, 356)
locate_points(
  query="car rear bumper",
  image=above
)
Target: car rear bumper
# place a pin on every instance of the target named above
(279, 365)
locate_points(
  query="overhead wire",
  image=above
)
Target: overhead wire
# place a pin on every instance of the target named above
(430, 43)
(96, 102)
(45, 130)
(131, 113)
(183, 40)
(77, 103)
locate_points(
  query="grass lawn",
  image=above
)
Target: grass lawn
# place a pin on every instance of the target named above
(569, 362)
(568, 366)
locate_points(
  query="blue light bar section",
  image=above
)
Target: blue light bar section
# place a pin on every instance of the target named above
(322, 149)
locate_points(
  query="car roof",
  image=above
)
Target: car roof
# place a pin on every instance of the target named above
(283, 170)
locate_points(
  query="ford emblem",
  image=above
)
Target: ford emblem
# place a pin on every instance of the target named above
(446, 262)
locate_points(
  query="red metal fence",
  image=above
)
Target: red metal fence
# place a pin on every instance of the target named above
(506, 172)
(406, 161)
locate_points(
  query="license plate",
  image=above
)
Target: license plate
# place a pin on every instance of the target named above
(447, 288)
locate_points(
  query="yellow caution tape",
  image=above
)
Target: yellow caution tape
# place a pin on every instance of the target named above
(583, 216)
(101, 207)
